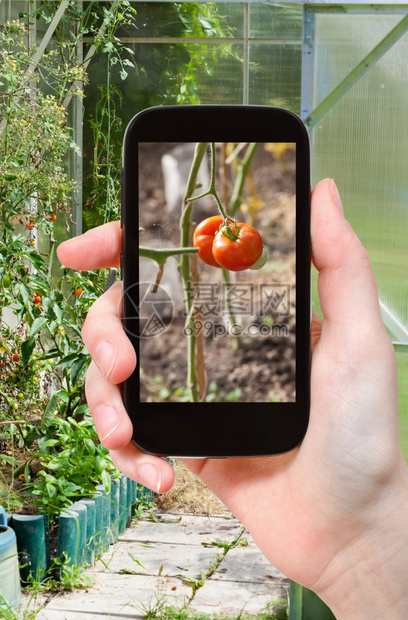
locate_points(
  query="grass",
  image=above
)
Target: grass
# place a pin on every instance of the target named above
(8, 613)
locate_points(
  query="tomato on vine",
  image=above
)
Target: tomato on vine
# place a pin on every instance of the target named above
(237, 246)
(234, 245)
(203, 238)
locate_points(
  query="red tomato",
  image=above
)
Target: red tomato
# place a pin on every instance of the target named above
(204, 236)
(240, 253)
(16, 357)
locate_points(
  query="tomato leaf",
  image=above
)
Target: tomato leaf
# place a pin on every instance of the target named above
(77, 367)
(27, 347)
(37, 326)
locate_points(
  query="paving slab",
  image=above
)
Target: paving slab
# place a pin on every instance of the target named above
(83, 615)
(125, 596)
(236, 598)
(185, 529)
(153, 562)
(166, 559)
(247, 565)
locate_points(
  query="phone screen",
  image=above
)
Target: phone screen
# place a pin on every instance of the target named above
(218, 335)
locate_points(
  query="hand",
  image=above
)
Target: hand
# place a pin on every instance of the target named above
(332, 513)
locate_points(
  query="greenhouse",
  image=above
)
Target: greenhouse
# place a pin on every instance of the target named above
(73, 75)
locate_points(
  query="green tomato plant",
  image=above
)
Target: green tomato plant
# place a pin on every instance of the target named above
(42, 357)
(73, 462)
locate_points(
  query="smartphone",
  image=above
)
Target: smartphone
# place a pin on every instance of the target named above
(219, 315)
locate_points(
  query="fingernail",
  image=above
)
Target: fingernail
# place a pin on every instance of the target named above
(149, 475)
(336, 196)
(106, 420)
(104, 356)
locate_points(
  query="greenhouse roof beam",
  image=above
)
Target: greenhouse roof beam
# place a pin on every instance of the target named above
(356, 74)
(356, 8)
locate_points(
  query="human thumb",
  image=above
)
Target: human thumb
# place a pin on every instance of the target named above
(346, 283)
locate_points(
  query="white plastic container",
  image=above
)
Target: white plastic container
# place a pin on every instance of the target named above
(9, 571)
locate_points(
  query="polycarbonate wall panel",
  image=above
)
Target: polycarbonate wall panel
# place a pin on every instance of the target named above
(274, 74)
(362, 142)
(11, 10)
(251, 53)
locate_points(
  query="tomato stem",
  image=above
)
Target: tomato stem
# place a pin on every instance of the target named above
(160, 256)
(185, 270)
(243, 169)
(211, 191)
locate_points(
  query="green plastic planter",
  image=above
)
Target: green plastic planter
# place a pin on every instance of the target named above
(129, 501)
(144, 494)
(123, 503)
(90, 528)
(99, 527)
(134, 497)
(32, 533)
(72, 534)
(114, 510)
(306, 605)
(106, 516)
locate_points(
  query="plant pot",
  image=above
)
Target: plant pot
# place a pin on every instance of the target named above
(114, 510)
(133, 500)
(72, 534)
(97, 540)
(32, 533)
(9, 573)
(143, 493)
(106, 517)
(123, 503)
(90, 505)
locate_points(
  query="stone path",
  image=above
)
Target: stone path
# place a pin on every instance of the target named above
(208, 564)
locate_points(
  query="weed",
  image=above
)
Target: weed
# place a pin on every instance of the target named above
(8, 613)
(275, 610)
(63, 575)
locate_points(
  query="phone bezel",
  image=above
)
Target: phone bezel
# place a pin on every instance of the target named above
(217, 430)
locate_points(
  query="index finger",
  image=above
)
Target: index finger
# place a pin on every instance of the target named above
(98, 248)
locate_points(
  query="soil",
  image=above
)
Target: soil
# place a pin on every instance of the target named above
(255, 368)
(189, 494)
(12, 493)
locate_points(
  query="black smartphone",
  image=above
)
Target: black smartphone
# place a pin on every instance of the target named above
(216, 279)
